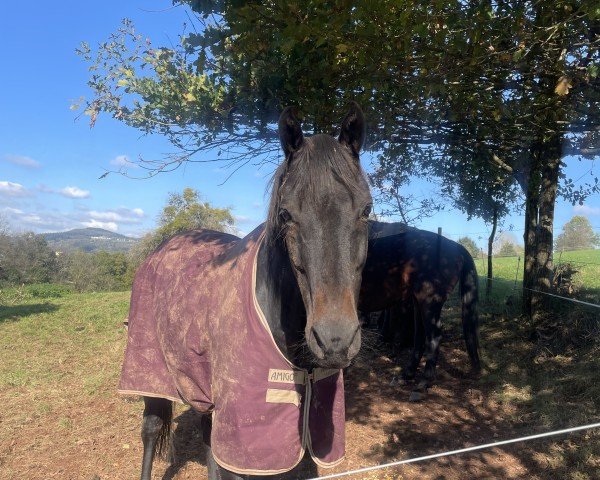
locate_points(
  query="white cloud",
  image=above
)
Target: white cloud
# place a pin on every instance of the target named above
(112, 216)
(12, 211)
(38, 218)
(106, 225)
(74, 192)
(12, 189)
(32, 219)
(69, 192)
(119, 215)
(23, 161)
(586, 210)
(123, 161)
(37, 221)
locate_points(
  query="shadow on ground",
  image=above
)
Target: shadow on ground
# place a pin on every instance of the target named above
(523, 389)
(15, 313)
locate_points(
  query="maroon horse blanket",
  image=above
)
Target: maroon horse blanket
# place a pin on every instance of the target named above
(197, 335)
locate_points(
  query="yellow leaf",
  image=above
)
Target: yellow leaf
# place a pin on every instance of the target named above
(122, 82)
(189, 97)
(563, 86)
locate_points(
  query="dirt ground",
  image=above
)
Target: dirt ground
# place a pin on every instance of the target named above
(97, 437)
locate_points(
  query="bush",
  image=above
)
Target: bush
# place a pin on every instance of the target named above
(101, 271)
(26, 259)
(48, 290)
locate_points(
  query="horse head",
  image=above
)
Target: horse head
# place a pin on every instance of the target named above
(319, 213)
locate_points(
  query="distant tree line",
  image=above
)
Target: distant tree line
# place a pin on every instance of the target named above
(26, 258)
(577, 234)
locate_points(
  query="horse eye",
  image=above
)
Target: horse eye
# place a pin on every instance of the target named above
(367, 211)
(284, 215)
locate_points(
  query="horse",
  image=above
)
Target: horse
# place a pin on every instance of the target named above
(250, 331)
(410, 266)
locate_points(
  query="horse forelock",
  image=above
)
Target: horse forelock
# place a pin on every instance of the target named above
(314, 168)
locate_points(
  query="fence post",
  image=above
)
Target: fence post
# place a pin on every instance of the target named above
(516, 274)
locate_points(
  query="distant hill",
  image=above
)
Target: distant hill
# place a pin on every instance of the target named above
(89, 240)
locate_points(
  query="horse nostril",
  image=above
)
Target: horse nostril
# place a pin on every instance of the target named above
(328, 339)
(318, 339)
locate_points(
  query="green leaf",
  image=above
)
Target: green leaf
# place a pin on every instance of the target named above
(518, 54)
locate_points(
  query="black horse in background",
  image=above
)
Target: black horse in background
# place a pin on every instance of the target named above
(416, 270)
(308, 267)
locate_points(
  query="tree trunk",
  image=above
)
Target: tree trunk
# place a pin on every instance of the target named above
(488, 289)
(530, 237)
(529, 255)
(539, 222)
(547, 200)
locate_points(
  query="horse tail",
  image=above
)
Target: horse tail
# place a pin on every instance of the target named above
(163, 444)
(469, 292)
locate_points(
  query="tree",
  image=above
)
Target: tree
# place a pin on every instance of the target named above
(507, 249)
(509, 88)
(470, 245)
(577, 234)
(26, 258)
(183, 212)
(4, 226)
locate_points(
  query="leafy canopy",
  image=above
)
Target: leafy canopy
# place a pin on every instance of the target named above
(577, 234)
(470, 245)
(470, 93)
(183, 212)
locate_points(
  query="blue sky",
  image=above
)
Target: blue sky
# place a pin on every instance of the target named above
(50, 163)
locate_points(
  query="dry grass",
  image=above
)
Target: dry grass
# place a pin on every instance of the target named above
(60, 356)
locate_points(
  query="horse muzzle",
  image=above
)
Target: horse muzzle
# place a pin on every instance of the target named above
(334, 344)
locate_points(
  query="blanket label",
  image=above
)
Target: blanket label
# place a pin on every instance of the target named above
(286, 376)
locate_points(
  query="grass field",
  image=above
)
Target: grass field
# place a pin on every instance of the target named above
(508, 274)
(60, 356)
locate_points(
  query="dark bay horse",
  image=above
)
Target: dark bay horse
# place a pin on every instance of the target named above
(302, 270)
(420, 268)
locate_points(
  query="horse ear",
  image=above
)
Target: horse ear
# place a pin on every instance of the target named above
(290, 133)
(353, 129)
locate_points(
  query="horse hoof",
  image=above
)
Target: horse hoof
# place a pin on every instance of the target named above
(407, 378)
(423, 385)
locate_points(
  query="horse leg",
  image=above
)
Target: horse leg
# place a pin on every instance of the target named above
(156, 429)
(404, 332)
(385, 326)
(215, 471)
(410, 370)
(433, 335)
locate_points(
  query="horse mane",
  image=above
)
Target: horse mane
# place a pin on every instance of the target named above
(320, 161)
